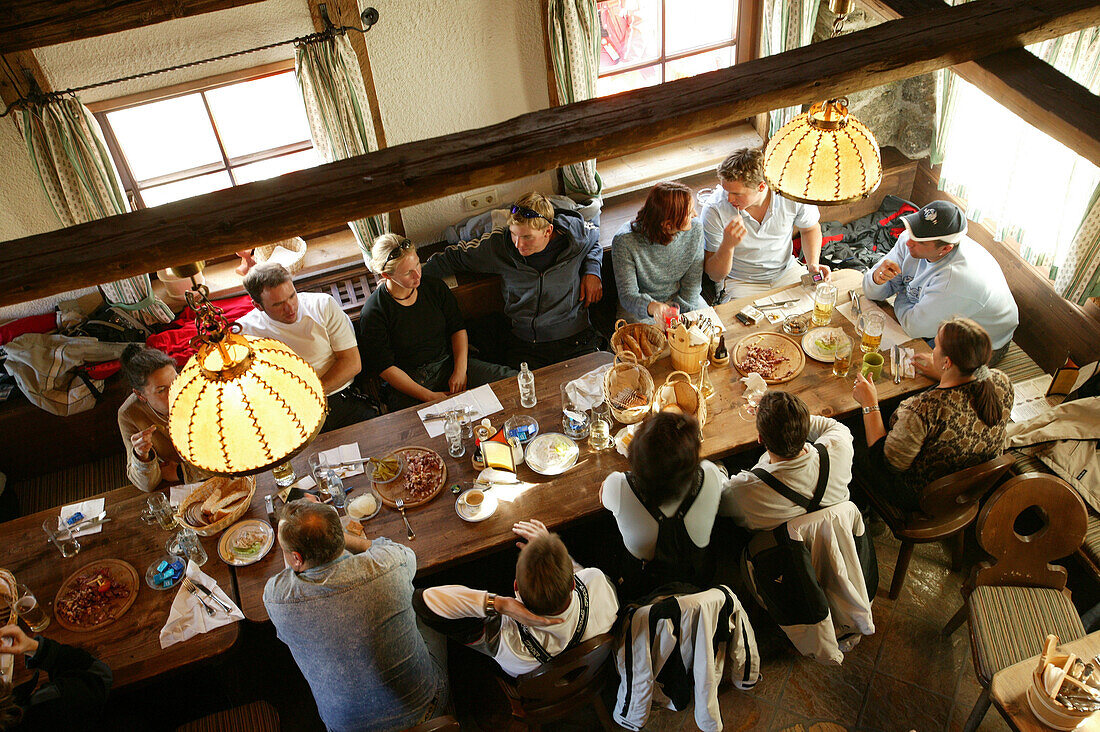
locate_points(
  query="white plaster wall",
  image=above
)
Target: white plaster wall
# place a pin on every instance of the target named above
(451, 65)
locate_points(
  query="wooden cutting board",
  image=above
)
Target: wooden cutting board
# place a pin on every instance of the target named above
(121, 572)
(390, 492)
(783, 345)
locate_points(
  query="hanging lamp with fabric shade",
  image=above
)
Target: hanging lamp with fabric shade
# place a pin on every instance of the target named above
(824, 156)
(241, 405)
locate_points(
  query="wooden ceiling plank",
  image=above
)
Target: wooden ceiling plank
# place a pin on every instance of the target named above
(26, 24)
(1024, 84)
(16, 70)
(310, 201)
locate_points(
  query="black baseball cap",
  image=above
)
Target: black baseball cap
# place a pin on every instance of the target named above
(941, 220)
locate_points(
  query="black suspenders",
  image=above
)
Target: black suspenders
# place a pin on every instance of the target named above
(809, 504)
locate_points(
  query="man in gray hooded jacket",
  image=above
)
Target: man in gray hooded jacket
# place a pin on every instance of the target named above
(549, 264)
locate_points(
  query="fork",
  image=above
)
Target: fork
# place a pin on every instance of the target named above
(191, 588)
(400, 502)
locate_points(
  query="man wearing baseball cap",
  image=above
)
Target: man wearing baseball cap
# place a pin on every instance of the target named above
(938, 272)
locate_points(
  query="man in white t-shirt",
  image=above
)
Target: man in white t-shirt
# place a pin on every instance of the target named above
(315, 328)
(557, 606)
(747, 231)
(798, 445)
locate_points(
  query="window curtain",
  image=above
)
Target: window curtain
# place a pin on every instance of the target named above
(339, 116)
(1027, 186)
(788, 24)
(574, 30)
(1079, 276)
(69, 154)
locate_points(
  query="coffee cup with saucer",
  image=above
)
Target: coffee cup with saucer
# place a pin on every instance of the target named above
(476, 504)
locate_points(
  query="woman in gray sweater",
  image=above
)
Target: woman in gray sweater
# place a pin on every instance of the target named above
(658, 257)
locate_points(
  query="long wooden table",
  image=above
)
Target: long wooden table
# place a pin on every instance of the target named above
(131, 644)
(444, 540)
(1009, 688)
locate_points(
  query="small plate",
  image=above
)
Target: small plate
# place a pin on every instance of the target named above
(551, 454)
(812, 347)
(487, 509)
(377, 507)
(225, 543)
(152, 571)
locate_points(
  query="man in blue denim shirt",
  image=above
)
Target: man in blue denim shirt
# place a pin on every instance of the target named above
(349, 623)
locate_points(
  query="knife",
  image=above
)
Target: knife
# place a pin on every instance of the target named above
(895, 361)
(211, 595)
(780, 304)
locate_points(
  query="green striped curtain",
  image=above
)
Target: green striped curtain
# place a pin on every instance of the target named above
(69, 154)
(1079, 276)
(788, 24)
(339, 116)
(574, 30)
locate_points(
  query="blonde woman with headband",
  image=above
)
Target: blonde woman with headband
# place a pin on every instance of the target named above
(411, 331)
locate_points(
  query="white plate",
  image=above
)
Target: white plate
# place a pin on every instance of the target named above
(377, 506)
(811, 348)
(551, 453)
(226, 553)
(487, 509)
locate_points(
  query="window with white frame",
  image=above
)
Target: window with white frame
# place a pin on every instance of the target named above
(648, 42)
(211, 138)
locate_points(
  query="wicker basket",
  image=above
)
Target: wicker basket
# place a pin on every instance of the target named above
(201, 493)
(8, 590)
(628, 388)
(645, 333)
(296, 245)
(686, 356)
(679, 392)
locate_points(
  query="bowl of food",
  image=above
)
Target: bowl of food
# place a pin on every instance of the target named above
(387, 469)
(166, 571)
(523, 427)
(365, 506)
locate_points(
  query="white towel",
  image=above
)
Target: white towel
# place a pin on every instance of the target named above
(187, 617)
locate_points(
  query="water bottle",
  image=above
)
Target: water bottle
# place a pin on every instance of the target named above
(526, 379)
(335, 488)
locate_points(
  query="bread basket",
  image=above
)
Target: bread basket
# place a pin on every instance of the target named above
(11, 592)
(296, 245)
(687, 356)
(679, 393)
(628, 388)
(645, 337)
(203, 491)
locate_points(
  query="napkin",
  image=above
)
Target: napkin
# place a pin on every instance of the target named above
(481, 401)
(91, 507)
(343, 454)
(7, 660)
(892, 332)
(187, 617)
(587, 391)
(755, 386)
(177, 493)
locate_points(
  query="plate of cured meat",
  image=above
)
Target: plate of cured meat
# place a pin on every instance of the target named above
(96, 595)
(776, 357)
(423, 478)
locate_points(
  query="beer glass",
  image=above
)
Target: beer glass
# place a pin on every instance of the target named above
(574, 418)
(62, 537)
(29, 610)
(824, 300)
(159, 510)
(870, 329)
(842, 357)
(186, 544)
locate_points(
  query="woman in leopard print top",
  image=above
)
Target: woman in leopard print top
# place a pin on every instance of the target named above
(954, 425)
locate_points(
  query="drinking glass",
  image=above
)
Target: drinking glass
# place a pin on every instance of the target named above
(599, 430)
(452, 429)
(318, 465)
(29, 610)
(842, 357)
(284, 474)
(870, 330)
(824, 300)
(574, 418)
(61, 537)
(158, 510)
(186, 544)
(748, 409)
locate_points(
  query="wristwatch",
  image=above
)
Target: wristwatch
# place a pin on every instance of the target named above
(868, 410)
(490, 604)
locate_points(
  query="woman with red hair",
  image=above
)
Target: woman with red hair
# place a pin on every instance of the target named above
(658, 257)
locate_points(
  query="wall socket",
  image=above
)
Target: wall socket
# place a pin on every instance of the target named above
(481, 199)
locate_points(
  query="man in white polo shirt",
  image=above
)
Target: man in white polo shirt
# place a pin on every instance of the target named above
(747, 231)
(937, 272)
(315, 328)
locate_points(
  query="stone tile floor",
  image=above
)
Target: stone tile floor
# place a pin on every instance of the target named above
(907, 676)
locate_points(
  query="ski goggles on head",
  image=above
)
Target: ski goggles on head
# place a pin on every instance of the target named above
(529, 213)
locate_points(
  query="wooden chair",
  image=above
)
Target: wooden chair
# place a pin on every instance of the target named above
(573, 679)
(259, 716)
(948, 506)
(439, 724)
(1015, 601)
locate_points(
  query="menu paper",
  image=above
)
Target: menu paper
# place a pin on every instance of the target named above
(481, 401)
(1030, 398)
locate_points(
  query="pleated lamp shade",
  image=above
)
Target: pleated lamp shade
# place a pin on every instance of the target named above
(824, 157)
(244, 405)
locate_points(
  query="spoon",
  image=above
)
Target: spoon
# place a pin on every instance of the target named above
(400, 502)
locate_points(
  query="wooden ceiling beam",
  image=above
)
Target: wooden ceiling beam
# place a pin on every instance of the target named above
(1024, 84)
(309, 201)
(19, 74)
(26, 24)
